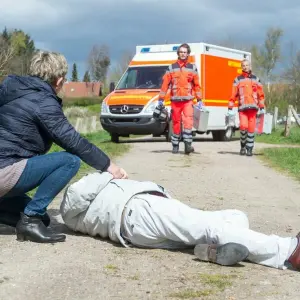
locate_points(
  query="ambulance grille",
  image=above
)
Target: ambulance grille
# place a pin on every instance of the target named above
(125, 109)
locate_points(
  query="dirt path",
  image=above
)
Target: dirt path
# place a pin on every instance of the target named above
(212, 178)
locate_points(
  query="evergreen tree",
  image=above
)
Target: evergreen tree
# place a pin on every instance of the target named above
(74, 73)
(87, 77)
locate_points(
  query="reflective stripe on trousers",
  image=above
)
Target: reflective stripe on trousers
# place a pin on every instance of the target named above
(243, 138)
(157, 222)
(250, 141)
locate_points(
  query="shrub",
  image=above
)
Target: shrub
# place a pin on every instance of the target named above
(85, 101)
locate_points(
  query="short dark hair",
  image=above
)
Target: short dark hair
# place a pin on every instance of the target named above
(184, 46)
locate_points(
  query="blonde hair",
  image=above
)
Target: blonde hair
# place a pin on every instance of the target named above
(49, 66)
(246, 60)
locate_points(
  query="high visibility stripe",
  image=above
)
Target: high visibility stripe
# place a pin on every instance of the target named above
(243, 138)
(250, 141)
(175, 139)
(158, 62)
(208, 102)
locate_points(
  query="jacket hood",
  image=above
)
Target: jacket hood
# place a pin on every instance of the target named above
(14, 87)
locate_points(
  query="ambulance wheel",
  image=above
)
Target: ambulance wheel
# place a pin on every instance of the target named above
(222, 135)
(114, 138)
(170, 131)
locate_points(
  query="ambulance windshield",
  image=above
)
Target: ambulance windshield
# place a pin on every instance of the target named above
(148, 77)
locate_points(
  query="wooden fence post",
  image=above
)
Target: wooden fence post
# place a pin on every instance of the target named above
(275, 117)
(288, 121)
(296, 116)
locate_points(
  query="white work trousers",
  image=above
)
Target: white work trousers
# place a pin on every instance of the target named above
(157, 222)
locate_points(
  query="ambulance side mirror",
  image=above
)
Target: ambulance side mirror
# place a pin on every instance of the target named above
(111, 87)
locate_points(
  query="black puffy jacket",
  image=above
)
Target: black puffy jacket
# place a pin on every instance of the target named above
(31, 119)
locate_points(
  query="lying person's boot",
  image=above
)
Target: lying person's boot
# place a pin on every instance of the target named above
(294, 259)
(226, 255)
(188, 148)
(11, 219)
(31, 228)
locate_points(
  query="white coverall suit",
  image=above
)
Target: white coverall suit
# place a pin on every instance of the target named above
(124, 211)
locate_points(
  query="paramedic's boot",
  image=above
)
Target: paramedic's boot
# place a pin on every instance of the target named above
(175, 149)
(188, 148)
(226, 255)
(11, 219)
(243, 141)
(250, 143)
(249, 151)
(243, 151)
(294, 259)
(31, 228)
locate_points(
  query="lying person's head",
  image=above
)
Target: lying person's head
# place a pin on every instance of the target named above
(51, 67)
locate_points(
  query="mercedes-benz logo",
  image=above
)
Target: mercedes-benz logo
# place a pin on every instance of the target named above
(124, 109)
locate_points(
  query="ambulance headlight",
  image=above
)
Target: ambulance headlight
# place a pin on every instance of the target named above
(104, 107)
(150, 108)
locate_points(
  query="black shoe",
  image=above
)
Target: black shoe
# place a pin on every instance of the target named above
(243, 151)
(11, 219)
(31, 228)
(226, 255)
(188, 148)
(175, 149)
(249, 152)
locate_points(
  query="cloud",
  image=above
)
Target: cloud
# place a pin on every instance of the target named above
(73, 26)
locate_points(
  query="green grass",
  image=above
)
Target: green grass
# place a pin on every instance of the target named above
(84, 101)
(191, 294)
(218, 281)
(102, 140)
(212, 283)
(94, 109)
(111, 267)
(283, 159)
(277, 137)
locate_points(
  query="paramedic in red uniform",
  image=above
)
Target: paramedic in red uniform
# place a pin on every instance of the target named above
(183, 80)
(248, 91)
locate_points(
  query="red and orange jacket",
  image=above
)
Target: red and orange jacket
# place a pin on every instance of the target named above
(248, 91)
(182, 78)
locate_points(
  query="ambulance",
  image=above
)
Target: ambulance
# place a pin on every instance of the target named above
(129, 107)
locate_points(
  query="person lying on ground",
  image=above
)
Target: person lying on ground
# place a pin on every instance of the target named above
(143, 214)
(31, 119)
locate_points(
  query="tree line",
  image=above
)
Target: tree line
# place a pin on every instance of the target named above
(279, 73)
(17, 48)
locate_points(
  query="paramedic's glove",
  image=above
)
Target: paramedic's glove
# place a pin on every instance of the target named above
(117, 172)
(262, 111)
(230, 112)
(199, 103)
(160, 102)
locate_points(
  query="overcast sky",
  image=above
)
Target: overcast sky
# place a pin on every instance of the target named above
(73, 26)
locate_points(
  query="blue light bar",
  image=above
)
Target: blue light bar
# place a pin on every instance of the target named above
(145, 50)
(175, 48)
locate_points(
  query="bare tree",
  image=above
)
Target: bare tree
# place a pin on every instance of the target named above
(118, 70)
(98, 62)
(291, 76)
(266, 57)
(6, 55)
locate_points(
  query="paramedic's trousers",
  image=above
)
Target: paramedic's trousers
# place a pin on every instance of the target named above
(247, 127)
(179, 108)
(156, 222)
